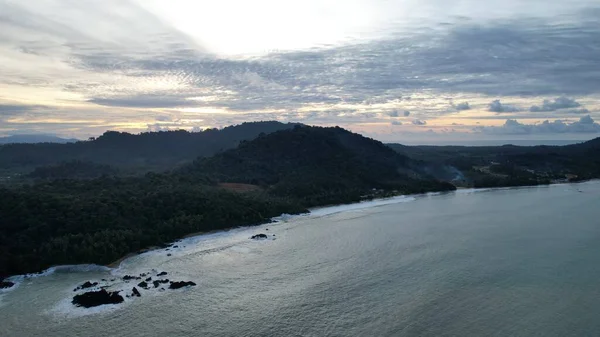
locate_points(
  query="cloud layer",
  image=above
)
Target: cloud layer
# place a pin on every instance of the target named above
(87, 65)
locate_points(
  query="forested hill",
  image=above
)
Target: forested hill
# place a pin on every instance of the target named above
(98, 220)
(508, 165)
(318, 165)
(149, 151)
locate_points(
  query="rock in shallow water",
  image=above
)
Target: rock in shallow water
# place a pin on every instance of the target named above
(136, 292)
(177, 285)
(96, 298)
(86, 285)
(259, 236)
(158, 282)
(6, 284)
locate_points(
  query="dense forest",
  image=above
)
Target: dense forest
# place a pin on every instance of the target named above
(507, 165)
(132, 154)
(95, 201)
(97, 220)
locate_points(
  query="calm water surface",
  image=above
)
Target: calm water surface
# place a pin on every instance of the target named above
(509, 262)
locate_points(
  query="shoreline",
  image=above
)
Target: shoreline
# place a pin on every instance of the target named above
(116, 264)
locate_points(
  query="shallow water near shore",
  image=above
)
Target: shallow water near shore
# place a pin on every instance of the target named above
(522, 262)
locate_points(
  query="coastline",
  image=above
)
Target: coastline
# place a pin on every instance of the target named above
(316, 211)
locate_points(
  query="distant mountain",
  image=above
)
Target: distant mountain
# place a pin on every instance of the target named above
(317, 165)
(508, 165)
(29, 139)
(149, 151)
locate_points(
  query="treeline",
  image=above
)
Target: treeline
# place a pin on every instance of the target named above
(133, 154)
(99, 221)
(509, 165)
(70, 221)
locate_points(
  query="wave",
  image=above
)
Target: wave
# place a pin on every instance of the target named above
(76, 268)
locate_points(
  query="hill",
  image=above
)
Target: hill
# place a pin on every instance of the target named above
(24, 139)
(508, 165)
(72, 221)
(317, 166)
(132, 154)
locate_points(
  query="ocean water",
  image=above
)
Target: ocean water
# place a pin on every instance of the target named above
(496, 262)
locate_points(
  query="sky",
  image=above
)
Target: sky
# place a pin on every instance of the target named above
(414, 71)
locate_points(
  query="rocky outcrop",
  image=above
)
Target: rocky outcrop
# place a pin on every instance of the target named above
(259, 236)
(157, 283)
(135, 292)
(6, 284)
(129, 277)
(181, 284)
(162, 273)
(96, 298)
(143, 284)
(86, 285)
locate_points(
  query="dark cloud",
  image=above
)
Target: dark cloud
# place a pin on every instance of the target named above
(394, 113)
(558, 103)
(396, 123)
(462, 106)
(406, 113)
(419, 122)
(512, 127)
(497, 106)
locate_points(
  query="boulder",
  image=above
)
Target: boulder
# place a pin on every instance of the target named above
(259, 236)
(149, 279)
(143, 284)
(86, 285)
(129, 277)
(157, 283)
(6, 284)
(181, 284)
(136, 292)
(162, 273)
(96, 298)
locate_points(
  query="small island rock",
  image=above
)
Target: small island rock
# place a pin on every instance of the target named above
(96, 298)
(181, 284)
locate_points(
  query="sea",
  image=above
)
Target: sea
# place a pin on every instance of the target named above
(474, 262)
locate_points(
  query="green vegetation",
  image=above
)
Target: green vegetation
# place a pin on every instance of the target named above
(508, 165)
(70, 221)
(132, 154)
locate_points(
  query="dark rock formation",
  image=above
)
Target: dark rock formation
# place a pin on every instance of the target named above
(136, 292)
(162, 273)
(129, 277)
(143, 284)
(6, 284)
(181, 284)
(157, 283)
(96, 298)
(259, 236)
(86, 285)
(168, 254)
(149, 279)
(175, 246)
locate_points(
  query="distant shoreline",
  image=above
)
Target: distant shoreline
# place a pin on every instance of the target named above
(118, 262)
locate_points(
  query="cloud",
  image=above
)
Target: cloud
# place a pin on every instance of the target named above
(558, 103)
(462, 106)
(577, 111)
(396, 123)
(394, 113)
(406, 113)
(419, 122)
(497, 106)
(512, 127)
